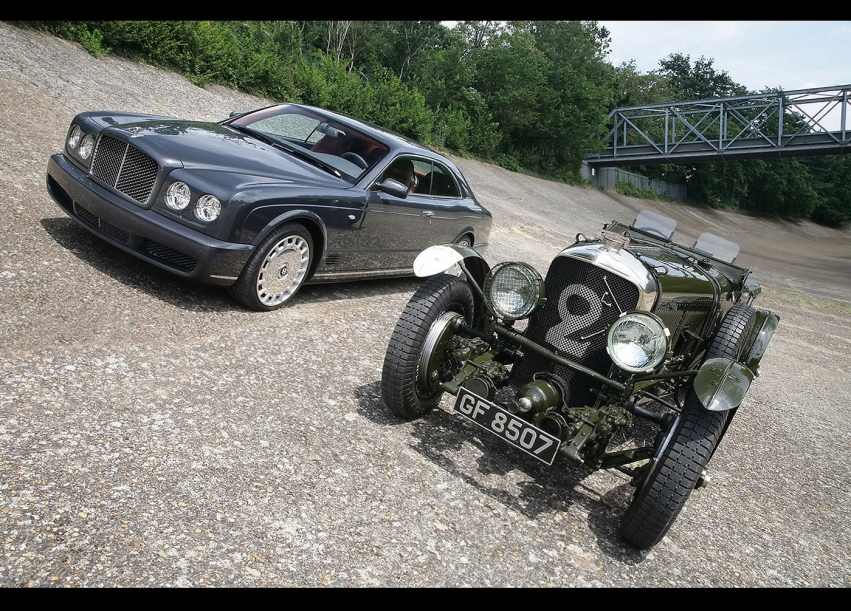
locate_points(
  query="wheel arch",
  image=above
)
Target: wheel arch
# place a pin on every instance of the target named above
(310, 221)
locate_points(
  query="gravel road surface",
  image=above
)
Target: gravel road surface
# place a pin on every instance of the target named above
(154, 433)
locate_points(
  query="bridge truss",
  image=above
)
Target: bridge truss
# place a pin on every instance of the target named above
(780, 124)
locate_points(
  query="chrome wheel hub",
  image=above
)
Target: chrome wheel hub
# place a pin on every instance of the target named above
(433, 347)
(283, 270)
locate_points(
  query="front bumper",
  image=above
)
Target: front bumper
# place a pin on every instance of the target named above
(143, 233)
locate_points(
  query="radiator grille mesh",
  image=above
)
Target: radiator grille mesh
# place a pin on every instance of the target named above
(124, 167)
(582, 302)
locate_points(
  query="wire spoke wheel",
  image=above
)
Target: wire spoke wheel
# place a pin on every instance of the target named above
(679, 465)
(417, 345)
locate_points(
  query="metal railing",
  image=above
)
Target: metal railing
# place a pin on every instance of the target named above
(784, 123)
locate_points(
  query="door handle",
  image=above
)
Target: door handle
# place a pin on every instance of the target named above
(428, 213)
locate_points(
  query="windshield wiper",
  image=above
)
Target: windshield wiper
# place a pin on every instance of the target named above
(289, 149)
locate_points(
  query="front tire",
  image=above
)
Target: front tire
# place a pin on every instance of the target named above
(685, 451)
(402, 379)
(276, 270)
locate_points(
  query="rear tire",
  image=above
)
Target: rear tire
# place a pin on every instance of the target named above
(401, 387)
(682, 456)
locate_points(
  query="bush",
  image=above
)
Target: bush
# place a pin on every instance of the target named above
(93, 42)
(627, 188)
(508, 162)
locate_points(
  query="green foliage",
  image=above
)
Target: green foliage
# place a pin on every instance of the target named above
(781, 187)
(698, 81)
(394, 105)
(323, 82)
(508, 162)
(627, 188)
(93, 42)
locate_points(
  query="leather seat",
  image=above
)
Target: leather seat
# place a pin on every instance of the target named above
(403, 171)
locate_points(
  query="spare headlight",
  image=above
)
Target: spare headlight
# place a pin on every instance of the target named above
(86, 147)
(208, 208)
(513, 290)
(74, 137)
(637, 341)
(177, 195)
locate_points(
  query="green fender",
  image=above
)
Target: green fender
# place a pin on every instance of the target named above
(721, 383)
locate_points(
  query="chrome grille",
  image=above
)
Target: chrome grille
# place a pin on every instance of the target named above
(582, 302)
(125, 168)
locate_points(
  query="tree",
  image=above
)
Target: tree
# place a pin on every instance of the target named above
(699, 81)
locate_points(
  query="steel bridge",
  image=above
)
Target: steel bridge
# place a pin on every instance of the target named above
(769, 125)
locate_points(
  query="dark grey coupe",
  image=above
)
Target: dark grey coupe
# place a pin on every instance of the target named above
(264, 201)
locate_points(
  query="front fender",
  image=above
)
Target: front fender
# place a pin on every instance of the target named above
(721, 383)
(271, 221)
(437, 259)
(757, 342)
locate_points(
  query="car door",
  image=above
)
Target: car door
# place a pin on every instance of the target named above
(396, 229)
(454, 214)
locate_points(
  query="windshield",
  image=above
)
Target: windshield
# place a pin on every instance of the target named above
(337, 147)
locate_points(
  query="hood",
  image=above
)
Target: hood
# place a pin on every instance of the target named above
(212, 149)
(659, 275)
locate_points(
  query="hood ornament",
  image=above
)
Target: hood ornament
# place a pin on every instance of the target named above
(613, 240)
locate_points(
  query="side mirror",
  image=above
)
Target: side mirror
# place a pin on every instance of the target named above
(393, 187)
(235, 113)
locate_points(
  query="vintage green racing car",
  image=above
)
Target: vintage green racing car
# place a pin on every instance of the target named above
(628, 328)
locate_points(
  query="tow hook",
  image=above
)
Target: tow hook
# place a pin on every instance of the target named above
(703, 479)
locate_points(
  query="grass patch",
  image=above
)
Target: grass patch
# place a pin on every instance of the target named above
(626, 188)
(805, 301)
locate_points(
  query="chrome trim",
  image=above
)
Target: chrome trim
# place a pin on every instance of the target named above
(380, 273)
(621, 263)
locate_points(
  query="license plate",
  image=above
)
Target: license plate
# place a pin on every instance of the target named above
(506, 425)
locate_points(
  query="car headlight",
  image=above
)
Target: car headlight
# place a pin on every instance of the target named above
(513, 290)
(86, 147)
(177, 195)
(637, 341)
(208, 208)
(74, 137)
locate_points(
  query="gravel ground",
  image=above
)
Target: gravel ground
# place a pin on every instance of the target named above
(153, 433)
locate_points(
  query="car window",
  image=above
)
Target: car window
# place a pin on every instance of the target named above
(330, 141)
(442, 183)
(297, 127)
(404, 170)
(435, 179)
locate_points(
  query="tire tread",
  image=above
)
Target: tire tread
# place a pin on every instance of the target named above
(398, 376)
(660, 500)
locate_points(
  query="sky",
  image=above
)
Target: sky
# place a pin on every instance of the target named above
(757, 54)
(789, 55)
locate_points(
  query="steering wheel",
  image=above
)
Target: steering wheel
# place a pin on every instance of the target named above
(355, 159)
